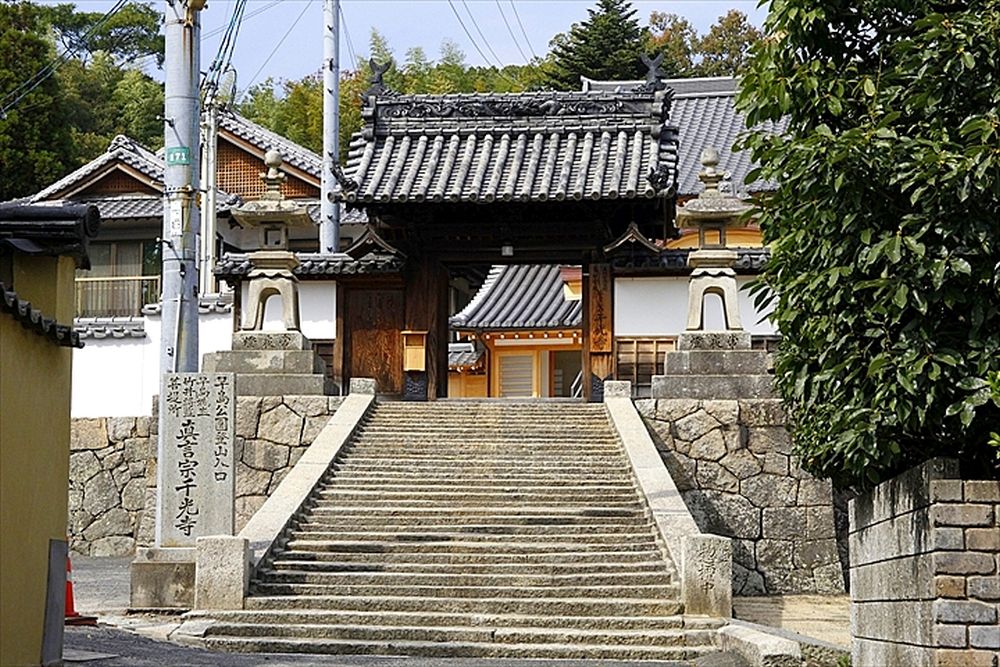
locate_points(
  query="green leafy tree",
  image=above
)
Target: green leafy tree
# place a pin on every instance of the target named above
(35, 143)
(605, 46)
(676, 39)
(725, 49)
(884, 229)
(131, 33)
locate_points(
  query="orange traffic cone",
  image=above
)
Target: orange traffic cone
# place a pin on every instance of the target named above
(72, 616)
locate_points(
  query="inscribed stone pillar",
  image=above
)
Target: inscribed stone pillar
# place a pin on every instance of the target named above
(196, 467)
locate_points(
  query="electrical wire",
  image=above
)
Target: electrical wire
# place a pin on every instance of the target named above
(510, 30)
(350, 43)
(475, 44)
(26, 87)
(277, 46)
(475, 25)
(523, 32)
(224, 54)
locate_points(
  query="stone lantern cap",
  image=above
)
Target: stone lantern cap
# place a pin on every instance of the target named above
(272, 208)
(712, 206)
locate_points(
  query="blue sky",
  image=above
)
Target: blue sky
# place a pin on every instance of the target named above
(408, 23)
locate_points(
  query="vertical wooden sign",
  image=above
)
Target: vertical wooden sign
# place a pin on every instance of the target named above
(600, 308)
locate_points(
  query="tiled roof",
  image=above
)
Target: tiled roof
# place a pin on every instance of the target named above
(526, 296)
(516, 146)
(34, 320)
(314, 265)
(704, 111)
(264, 139)
(464, 355)
(210, 303)
(110, 327)
(121, 149)
(348, 216)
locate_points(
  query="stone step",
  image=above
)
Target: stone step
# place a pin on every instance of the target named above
(468, 503)
(432, 649)
(507, 605)
(490, 445)
(310, 532)
(717, 387)
(307, 524)
(284, 384)
(468, 494)
(449, 477)
(402, 460)
(459, 579)
(540, 559)
(263, 361)
(481, 513)
(450, 619)
(718, 362)
(633, 591)
(288, 562)
(465, 546)
(655, 637)
(562, 467)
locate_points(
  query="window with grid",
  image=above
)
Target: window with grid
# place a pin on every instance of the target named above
(639, 359)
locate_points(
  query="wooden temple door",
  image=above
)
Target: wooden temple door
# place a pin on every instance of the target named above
(373, 320)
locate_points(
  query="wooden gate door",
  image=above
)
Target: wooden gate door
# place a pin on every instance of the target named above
(373, 320)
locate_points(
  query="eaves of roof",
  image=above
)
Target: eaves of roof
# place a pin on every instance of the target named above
(525, 296)
(264, 139)
(121, 150)
(315, 266)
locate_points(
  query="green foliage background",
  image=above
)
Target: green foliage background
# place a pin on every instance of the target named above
(885, 228)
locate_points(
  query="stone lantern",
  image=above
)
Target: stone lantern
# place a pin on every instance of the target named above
(271, 266)
(712, 213)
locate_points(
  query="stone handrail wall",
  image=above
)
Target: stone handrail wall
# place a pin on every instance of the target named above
(925, 570)
(732, 463)
(112, 493)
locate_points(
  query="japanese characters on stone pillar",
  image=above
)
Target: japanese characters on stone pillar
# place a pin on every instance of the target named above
(197, 473)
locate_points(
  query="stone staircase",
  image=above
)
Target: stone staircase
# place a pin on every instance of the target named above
(472, 529)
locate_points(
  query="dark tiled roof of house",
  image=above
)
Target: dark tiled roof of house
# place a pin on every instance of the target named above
(34, 320)
(517, 146)
(110, 327)
(122, 149)
(528, 296)
(209, 303)
(314, 265)
(704, 111)
(264, 139)
(464, 355)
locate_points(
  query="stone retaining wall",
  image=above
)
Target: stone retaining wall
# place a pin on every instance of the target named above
(112, 493)
(925, 570)
(732, 462)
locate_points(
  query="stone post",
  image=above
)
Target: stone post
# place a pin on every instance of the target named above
(707, 575)
(363, 386)
(222, 572)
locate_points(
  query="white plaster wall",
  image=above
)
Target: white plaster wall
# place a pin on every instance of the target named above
(118, 377)
(658, 307)
(317, 309)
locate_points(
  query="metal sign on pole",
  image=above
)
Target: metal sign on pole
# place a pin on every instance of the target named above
(179, 249)
(329, 227)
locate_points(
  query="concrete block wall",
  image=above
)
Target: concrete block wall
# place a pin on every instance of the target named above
(925, 570)
(732, 462)
(112, 494)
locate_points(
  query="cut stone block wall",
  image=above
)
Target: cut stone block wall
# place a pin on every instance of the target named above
(925, 570)
(112, 493)
(732, 462)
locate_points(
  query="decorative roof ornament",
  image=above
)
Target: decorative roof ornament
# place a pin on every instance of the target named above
(273, 178)
(378, 86)
(654, 74)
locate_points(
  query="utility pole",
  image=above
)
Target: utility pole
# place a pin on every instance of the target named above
(209, 140)
(179, 339)
(179, 314)
(329, 226)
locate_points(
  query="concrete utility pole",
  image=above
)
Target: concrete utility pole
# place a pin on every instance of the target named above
(329, 226)
(179, 332)
(209, 139)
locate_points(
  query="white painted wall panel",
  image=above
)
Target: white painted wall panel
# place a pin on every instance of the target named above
(658, 307)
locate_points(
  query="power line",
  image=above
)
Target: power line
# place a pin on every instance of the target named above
(350, 43)
(25, 88)
(511, 31)
(475, 44)
(277, 46)
(523, 32)
(475, 25)
(227, 46)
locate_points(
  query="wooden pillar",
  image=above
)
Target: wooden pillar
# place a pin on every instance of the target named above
(427, 310)
(339, 340)
(598, 318)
